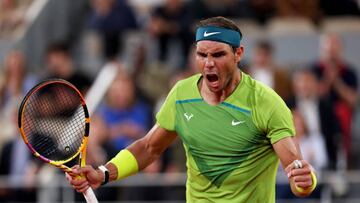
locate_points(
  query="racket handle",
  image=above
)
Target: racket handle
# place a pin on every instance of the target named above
(90, 196)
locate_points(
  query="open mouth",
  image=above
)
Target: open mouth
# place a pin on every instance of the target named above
(213, 80)
(212, 77)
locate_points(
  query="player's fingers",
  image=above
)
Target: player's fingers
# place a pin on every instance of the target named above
(78, 181)
(70, 173)
(296, 164)
(75, 167)
(86, 169)
(75, 170)
(91, 174)
(68, 176)
(302, 178)
(83, 190)
(303, 185)
(82, 187)
(299, 172)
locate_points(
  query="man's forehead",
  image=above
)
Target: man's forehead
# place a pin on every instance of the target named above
(212, 46)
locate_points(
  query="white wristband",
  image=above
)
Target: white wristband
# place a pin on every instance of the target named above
(106, 174)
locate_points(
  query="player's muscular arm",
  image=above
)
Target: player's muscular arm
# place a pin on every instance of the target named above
(144, 151)
(147, 149)
(288, 150)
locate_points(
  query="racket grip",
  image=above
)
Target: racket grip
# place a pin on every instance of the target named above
(90, 196)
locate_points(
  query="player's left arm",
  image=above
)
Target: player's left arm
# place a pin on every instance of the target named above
(301, 177)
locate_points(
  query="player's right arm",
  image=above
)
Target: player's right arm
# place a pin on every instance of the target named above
(150, 148)
(136, 157)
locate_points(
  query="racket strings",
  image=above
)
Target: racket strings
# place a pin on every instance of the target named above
(54, 121)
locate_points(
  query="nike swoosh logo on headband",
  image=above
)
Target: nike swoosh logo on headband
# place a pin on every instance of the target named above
(210, 33)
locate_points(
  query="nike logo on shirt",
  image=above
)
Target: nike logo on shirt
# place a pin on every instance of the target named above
(234, 123)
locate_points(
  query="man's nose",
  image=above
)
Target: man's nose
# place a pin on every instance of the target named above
(209, 62)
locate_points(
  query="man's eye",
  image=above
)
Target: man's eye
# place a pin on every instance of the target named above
(201, 54)
(219, 54)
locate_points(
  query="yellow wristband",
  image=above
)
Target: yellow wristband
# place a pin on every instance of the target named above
(125, 163)
(309, 189)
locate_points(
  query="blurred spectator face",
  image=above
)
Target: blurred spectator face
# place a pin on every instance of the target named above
(14, 65)
(99, 132)
(58, 63)
(305, 84)
(14, 71)
(121, 93)
(102, 7)
(173, 5)
(262, 58)
(6, 4)
(331, 48)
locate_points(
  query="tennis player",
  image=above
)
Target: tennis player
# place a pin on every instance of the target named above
(234, 130)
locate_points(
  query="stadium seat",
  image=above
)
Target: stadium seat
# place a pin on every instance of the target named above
(250, 28)
(290, 26)
(341, 25)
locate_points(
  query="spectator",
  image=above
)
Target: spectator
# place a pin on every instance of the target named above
(14, 81)
(263, 68)
(15, 159)
(312, 145)
(339, 7)
(262, 10)
(111, 18)
(17, 164)
(230, 8)
(99, 146)
(308, 9)
(312, 148)
(127, 117)
(190, 69)
(174, 156)
(12, 15)
(60, 65)
(172, 21)
(338, 83)
(12, 84)
(318, 113)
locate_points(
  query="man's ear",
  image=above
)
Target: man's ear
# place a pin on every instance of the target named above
(239, 53)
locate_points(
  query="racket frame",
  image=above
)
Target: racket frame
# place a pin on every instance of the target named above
(82, 149)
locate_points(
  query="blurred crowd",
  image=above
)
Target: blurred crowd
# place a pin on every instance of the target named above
(322, 94)
(12, 14)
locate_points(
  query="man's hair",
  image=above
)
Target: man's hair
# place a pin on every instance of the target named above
(58, 47)
(220, 21)
(265, 45)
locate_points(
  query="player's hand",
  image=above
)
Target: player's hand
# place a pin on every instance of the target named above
(300, 173)
(83, 178)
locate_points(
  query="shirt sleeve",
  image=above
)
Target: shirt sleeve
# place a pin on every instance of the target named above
(280, 123)
(274, 117)
(165, 118)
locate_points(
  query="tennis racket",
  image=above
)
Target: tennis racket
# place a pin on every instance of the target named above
(54, 123)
